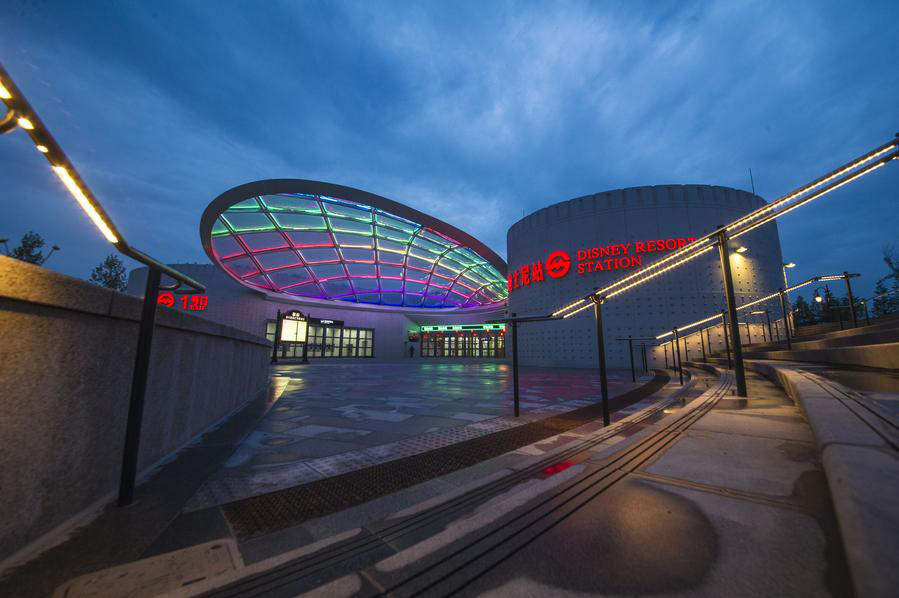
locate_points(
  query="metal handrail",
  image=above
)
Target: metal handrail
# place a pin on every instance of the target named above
(18, 107)
(21, 114)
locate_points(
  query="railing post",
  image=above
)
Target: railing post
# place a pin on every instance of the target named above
(768, 318)
(726, 341)
(680, 366)
(630, 350)
(601, 355)
(702, 342)
(138, 388)
(783, 308)
(515, 363)
(665, 347)
(851, 299)
(739, 372)
(277, 338)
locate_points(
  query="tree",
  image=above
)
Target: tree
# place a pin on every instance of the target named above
(891, 259)
(29, 249)
(829, 306)
(880, 304)
(804, 314)
(110, 273)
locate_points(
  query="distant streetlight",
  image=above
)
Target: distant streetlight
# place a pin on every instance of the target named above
(47, 257)
(785, 266)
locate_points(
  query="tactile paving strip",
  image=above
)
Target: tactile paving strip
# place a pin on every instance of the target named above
(266, 513)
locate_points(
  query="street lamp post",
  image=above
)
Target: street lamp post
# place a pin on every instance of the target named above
(724, 255)
(47, 257)
(846, 277)
(783, 308)
(864, 303)
(785, 266)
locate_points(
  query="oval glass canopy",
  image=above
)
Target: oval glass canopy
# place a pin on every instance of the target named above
(328, 248)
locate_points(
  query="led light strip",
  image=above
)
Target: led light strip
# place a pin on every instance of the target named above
(29, 122)
(688, 326)
(826, 278)
(84, 202)
(580, 309)
(868, 169)
(647, 277)
(813, 185)
(644, 278)
(447, 260)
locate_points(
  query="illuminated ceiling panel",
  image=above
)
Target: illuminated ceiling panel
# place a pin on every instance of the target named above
(320, 246)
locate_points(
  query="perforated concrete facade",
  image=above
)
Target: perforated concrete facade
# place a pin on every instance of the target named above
(623, 216)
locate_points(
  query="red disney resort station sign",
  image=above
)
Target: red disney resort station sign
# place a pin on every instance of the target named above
(592, 259)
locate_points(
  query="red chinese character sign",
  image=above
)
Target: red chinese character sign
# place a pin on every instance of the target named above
(592, 259)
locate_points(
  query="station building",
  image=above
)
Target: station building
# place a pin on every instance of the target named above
(375, 278)
(564, 251)
(378, 279)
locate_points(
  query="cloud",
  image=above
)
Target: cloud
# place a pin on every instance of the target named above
(472, 112)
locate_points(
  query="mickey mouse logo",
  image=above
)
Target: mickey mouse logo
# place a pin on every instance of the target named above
(557, 264)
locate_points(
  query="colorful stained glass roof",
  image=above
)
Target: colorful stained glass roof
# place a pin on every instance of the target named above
(323, 247)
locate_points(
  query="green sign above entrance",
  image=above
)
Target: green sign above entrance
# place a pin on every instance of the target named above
(463, 327)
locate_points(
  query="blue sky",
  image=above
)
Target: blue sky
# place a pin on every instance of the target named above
(475, 112)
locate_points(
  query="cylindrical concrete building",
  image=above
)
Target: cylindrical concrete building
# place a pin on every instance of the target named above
(562, 252)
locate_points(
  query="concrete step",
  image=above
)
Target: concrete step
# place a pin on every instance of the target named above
(858, 449)
(861, 336)
(883, 355)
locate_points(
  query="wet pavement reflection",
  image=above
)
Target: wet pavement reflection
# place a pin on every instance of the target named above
(333, 418)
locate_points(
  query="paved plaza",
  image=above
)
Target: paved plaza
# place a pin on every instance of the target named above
(331, 418)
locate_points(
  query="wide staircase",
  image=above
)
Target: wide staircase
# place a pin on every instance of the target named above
(872, 346)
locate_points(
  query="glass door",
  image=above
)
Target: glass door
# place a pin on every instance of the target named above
(350, 342)
(332, 342)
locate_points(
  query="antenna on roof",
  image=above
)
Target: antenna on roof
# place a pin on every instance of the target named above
(752, 182)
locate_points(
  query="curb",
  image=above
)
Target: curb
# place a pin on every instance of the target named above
(862, 469)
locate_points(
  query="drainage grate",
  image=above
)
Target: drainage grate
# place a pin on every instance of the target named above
(271, 512)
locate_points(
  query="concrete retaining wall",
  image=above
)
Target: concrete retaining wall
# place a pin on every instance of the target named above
(66, 361)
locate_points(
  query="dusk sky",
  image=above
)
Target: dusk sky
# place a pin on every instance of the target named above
(474, 112)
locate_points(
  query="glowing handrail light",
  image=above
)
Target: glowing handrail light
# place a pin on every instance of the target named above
(652, 275)
(866, 170)
(578, 310)
(84, 202)
(25, 123)
(824, 278)
(774, 205)
(688, 326)
(763, 215)
(4, 93)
